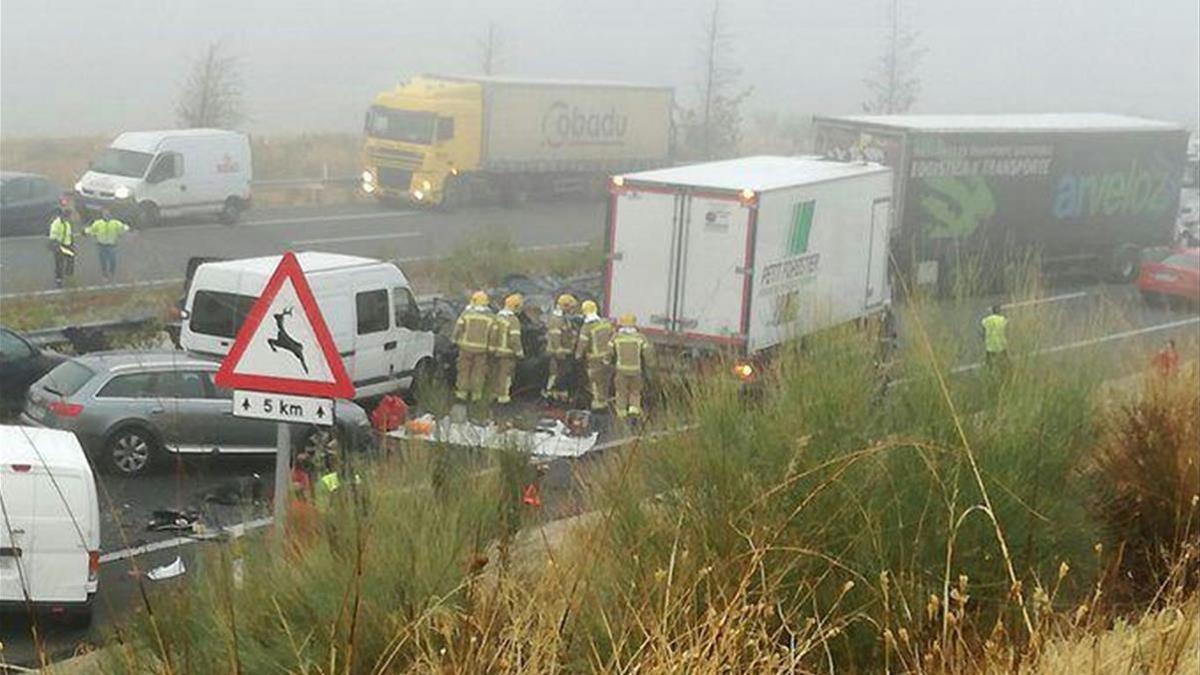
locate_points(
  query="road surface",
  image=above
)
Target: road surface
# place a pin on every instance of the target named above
(368, 230)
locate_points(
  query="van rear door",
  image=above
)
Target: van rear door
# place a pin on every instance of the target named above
(49, 516)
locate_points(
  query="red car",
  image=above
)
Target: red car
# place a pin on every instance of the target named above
(1176, 277)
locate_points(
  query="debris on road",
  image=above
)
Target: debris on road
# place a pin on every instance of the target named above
(168, 571)
(170, 520)
(549, 439)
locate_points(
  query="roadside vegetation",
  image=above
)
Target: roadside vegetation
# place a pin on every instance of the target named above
(861, 514)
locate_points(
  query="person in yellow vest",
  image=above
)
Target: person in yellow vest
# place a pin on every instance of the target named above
(505, 347)
(995, 339)
(62, 244)
(593, 350)
(471, 333)
(631, 352)
(560, 344)
(107, 230)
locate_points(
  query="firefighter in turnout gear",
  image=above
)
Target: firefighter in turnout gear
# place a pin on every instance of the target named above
(504, 345)
(593, 350)
(631, 352)
(560, 344)
(471, 333)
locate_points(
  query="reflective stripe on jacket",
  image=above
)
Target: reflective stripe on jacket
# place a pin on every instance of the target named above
(631, 351)
(560, 335)
(594, 339)
(505, 339)
(472, 329)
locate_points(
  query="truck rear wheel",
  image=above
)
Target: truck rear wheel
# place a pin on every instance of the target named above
(1125, 263)
(231, 212)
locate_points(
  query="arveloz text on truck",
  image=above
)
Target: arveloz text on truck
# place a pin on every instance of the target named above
(283, 407)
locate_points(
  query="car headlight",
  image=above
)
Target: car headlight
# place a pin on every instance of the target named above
(79, 186)
(368, 177)
(122, 192)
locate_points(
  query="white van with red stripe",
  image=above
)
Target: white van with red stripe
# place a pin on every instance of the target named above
(747, 253)
(49, 524)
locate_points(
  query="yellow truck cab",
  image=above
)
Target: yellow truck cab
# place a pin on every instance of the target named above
(436, 139)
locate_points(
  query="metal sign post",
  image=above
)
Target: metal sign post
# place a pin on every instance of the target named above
(283, 472)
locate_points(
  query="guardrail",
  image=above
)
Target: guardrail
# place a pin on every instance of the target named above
(305, 182)
(89, 337)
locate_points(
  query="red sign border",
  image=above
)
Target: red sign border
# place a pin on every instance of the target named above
(341, 387)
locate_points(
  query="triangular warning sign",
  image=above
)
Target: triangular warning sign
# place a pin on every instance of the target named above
(284, 346)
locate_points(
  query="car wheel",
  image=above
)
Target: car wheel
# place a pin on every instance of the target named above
(1151, 298)
(231, 213)
(130, 451)
(148, 215)
(1125, 264)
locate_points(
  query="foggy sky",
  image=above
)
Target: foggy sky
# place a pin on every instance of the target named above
(75, 67)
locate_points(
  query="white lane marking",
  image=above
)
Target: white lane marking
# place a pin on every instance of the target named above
(233, 531)
(1042, 301)
(101, 287)
(327, 219)
(1079, 344)
(365, 237)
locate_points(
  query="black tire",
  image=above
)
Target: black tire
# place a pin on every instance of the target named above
(131, 451)
(231, 212)
(424, 375)
(1151, 298)
(1125, 263)
(149, 215)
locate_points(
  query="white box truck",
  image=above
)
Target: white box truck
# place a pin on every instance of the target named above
(368, 305)
(50, 524)
(145, 176)
(747, 253)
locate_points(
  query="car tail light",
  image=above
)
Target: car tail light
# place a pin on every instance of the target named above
(64, 409)
(93, 565)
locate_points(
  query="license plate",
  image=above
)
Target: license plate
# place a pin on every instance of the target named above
(1164, 276)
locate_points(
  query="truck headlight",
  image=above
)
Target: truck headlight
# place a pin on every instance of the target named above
(418, 195)
(426, 185)
(368, 177)
(122, 192)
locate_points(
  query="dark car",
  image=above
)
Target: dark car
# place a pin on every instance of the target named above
(133, 409)
(21, 364)
(1175, 278)
(27, 203)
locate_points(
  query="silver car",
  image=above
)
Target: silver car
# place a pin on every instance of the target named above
(131, 409)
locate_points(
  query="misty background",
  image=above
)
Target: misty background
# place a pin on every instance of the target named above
(79, 67)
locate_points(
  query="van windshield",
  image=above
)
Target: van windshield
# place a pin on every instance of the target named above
(117, 162)
(219, 314)
(409, 126)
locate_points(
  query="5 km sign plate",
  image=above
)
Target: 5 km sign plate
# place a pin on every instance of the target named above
(283, 407)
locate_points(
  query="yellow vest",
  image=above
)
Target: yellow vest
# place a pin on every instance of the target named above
(107, 231)
(994, 339)
(62, 232)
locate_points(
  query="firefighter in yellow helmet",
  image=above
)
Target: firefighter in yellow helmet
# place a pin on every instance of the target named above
(504, 344)
(560, 344)
(631, 352)
(471, 333)
(592, 349)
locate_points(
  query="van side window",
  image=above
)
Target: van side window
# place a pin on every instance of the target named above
(219, 314)
(372, 309)
(408, 315)
(168, 165)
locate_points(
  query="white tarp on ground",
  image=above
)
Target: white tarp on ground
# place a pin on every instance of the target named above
(551, 441)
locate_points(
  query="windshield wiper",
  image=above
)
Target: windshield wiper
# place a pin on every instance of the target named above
(52, 390)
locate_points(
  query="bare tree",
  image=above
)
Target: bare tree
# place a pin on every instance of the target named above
(491, 46)
(894, 87)
(714, 128)
(212, 95)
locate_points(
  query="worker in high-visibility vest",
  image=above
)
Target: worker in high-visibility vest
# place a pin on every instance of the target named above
(560, 344)
(471, 333)
(631, 353)
(593, 350)
(107, 230)
(995, 338)
(504, 345)
(62, 244)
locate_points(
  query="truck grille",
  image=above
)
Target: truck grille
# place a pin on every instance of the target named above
(399, 158)
(394, 178)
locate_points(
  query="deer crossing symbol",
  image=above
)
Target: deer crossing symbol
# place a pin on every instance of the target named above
(286, 342)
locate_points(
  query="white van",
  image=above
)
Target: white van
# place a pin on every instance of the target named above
(50, 529)
(368, 305)
(148, 175)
